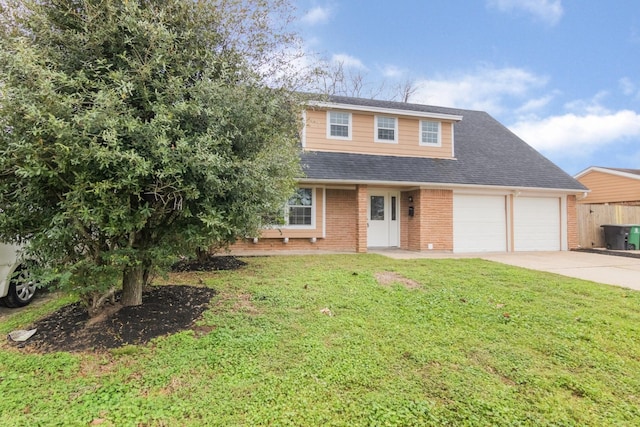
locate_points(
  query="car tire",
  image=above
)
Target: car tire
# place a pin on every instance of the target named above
(21, 289)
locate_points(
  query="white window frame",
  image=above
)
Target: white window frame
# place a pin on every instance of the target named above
(349, 125)
(395, 130)
(313, 212)
(430, 144)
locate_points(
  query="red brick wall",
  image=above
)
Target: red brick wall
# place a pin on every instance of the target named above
(432, 222)
(573, 242)
(361, 218)
(410, 230)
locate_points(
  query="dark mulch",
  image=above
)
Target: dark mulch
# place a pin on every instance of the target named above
(165, 310)
(601, 251)
(212, 263)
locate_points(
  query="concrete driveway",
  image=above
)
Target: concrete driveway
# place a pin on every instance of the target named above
(607, 269)
(601, 268)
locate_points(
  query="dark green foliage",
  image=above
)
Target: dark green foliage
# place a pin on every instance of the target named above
(134, 131)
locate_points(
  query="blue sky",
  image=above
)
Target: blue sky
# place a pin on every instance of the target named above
(564, 75)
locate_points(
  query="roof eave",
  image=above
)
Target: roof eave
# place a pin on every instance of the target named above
(390, 111)
(607, 171)
(436, 185)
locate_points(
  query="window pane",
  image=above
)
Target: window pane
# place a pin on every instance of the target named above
(393, 208)
(386, 128)
(430, 133)
(377, 208)
(300, 207)
(303, 197)
(386, 134)
(300, 215)
(386, 122)
(338, 130)
(339, 124)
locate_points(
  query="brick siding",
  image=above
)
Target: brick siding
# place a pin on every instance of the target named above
(573, 242)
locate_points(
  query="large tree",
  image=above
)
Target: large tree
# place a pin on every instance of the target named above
(135, 131)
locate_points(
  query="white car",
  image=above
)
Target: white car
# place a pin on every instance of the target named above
(16, 290)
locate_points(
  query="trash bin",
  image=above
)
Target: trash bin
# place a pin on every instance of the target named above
(633, 240)
(616, 236)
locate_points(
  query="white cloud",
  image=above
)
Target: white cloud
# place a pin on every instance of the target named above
(536, 104)
(627, 86)
(392, 71)
(549, 11)
(317, 15)
(348, 61)
(578, 133)
(484, 89)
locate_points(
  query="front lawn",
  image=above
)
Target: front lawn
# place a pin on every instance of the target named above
(355, 340)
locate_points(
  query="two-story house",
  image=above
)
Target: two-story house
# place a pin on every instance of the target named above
(418, 177)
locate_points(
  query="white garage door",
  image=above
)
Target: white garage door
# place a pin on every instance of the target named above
(536, 224)
(479, 223)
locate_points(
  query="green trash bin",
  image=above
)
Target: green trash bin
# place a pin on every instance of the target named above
(633, 240)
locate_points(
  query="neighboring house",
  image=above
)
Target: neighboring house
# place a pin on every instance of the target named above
(611, 185)
(417, 177)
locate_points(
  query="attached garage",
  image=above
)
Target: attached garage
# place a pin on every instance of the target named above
(500, 223)
(536, 224)
(479, 223)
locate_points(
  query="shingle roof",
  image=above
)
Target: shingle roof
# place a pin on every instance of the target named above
(486, 153)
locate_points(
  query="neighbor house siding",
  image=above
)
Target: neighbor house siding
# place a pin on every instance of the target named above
(608, 188)
(362, 137)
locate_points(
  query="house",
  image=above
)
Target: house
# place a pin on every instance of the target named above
(421, 178)
(611, 186)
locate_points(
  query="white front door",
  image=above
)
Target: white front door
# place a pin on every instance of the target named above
(383, 219)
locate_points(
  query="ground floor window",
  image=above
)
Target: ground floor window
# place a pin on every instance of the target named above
(299, 209)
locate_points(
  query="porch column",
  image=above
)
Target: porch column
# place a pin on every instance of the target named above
(361, 218)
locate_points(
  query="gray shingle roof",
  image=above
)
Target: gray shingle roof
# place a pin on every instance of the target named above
(486, 153)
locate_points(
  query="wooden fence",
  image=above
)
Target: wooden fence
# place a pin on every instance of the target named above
(591, 217)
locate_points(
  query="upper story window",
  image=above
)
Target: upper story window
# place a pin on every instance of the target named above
(338, 125)
(386, 129)
(299, 211)
(430, 133)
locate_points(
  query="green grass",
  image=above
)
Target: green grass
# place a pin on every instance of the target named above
(476, 343)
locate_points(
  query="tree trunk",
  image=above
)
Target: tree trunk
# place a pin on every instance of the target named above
(132, 285)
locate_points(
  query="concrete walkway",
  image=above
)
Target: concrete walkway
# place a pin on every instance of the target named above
(600, 268)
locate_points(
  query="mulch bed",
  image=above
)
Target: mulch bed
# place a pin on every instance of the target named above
(212, 263)
(164, 310)
(626, 254)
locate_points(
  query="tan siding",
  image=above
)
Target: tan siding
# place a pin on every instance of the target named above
(363, 137)
(607, 188)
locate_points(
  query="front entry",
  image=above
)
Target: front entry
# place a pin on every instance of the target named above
(383, 229)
